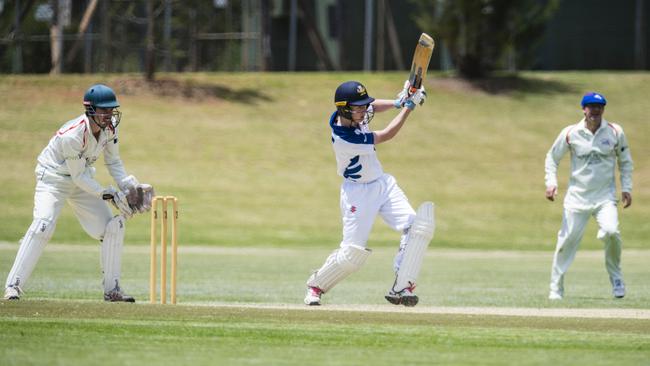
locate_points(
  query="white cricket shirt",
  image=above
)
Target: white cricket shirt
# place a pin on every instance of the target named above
(356, 158)
(593, 161)
(73, 150)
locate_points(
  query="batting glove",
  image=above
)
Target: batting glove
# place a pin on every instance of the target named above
(417, 98)
(402, 95)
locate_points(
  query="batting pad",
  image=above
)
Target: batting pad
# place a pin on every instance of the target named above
(31, 247)
(420, 235)
(340, 264)
(111, 256)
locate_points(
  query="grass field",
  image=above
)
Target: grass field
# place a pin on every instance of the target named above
(217, 321)
(249, 157)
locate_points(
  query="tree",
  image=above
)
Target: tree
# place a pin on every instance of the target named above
(483, 35)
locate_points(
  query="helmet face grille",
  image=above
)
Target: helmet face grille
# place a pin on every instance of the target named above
(101, 96)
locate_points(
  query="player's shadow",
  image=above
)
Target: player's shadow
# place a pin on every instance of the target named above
(190, 89)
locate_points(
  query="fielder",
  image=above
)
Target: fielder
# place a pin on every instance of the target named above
(64, 172)
(596, 146)
(367, 191)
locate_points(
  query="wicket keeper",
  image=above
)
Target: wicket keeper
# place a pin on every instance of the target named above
(367, 191)
(596, 146)
(64, 172)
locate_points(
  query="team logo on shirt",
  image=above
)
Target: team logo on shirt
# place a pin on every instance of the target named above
(605, 142)
(353, 209)
(353, 168)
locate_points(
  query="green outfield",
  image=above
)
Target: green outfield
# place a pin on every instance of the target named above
(249, 157)
(243, 307)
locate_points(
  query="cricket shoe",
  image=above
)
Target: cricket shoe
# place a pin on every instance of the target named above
(13, 293)
(405, 297)
(313, 296)
(116, 295)
(555, 295)
(618, 289)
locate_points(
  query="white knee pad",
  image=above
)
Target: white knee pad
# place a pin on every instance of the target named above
(31, 247)
(420, 234)
(111, 252)
(341, 263)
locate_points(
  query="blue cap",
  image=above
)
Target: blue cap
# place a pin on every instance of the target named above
(593, 98)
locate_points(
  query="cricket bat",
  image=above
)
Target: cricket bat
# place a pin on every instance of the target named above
(421, 59)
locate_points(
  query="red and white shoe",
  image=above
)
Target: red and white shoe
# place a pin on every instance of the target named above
(313, 296)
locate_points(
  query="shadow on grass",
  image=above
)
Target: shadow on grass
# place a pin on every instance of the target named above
(506, 84)
(195, 91)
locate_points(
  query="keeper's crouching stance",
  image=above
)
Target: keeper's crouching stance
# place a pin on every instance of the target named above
(367, 191)
(64, 173)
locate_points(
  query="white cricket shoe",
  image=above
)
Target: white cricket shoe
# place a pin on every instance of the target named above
(313, 296)
(554, 295)
(13, 293)
(618, 289)
(117, 295)
(405, 297)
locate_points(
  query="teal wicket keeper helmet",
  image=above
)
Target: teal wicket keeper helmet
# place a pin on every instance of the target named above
(101, 96)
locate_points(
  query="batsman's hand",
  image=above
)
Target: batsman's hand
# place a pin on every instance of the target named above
(119, 200)
(402, 95)
(551, 192)
(415, 99)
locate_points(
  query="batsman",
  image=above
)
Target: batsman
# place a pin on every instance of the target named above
(367, 191)
(65, 172)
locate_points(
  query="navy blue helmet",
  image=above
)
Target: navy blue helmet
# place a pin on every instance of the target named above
(348, 94)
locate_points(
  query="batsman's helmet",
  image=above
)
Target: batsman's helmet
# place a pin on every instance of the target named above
(101, 96)
(593, 98)
(348, 94)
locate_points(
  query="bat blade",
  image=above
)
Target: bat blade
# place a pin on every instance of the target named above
(421, 59)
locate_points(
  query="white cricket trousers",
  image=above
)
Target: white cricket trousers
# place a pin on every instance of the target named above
(361, 202)
(52, 191)
(569, 237)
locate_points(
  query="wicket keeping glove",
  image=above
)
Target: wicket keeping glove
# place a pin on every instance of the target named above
(139, 197)
(119, 200)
